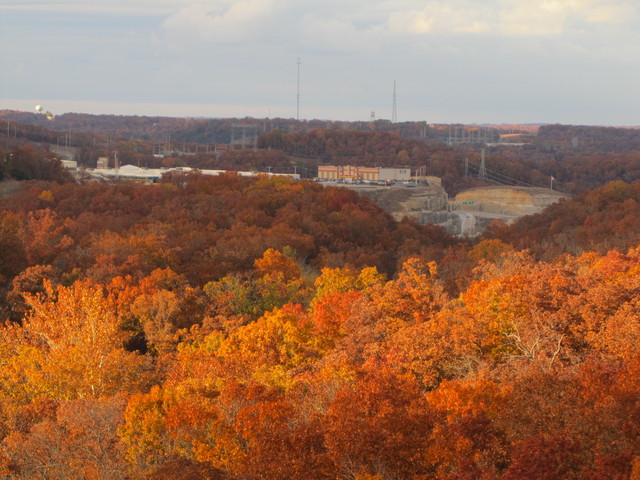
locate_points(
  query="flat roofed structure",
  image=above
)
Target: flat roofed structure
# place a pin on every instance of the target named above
(353, 173)
(153, 175)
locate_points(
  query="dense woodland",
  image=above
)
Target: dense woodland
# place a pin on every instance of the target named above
(598, 220)
(579, 158)
(236, 328)
(29, 163)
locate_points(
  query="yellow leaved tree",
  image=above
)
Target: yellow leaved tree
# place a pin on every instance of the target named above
(68, 346)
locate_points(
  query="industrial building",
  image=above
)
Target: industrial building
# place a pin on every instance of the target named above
(351, 173)
(132, 173)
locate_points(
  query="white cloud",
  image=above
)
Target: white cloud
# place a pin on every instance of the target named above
(334, 25)
(244, 52)
(234, 23)
(558, 6)
(237, 19)
(115, 7)
(504, 17)
(550, 17)
(410, 21)
(531, 18)
(474, 27)
(610, 13)
(326, 34)
(327, 26)
(440, 18)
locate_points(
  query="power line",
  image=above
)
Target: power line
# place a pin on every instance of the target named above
(500, 179)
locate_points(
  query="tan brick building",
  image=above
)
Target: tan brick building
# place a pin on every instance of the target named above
(351, 173)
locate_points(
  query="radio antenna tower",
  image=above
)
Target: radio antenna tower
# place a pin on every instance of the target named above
(482, 172)
(394, 109)
(298, 96)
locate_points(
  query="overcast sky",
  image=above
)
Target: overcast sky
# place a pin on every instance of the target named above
(467, 61)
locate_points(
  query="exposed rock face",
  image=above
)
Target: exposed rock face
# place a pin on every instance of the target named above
(510, 201)
(409, 201)
(471, 211)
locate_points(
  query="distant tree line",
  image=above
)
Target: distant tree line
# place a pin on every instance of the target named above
(29, 163)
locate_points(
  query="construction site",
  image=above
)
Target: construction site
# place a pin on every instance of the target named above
(466, 215)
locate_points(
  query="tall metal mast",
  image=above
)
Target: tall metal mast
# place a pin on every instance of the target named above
(394, 109)
(298, 97)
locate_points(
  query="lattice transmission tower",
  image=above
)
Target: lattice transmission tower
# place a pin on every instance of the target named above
(482, 171)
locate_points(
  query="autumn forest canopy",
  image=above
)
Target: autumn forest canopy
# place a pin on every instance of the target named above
(236, 328)
(580, 158)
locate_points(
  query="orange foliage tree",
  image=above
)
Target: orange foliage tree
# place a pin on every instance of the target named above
(68, 346)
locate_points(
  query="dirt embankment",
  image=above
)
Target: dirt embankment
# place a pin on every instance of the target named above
(390, 199)
(515, 201)
(403, 201)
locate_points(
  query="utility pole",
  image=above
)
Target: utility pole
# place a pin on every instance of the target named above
(116, 167)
